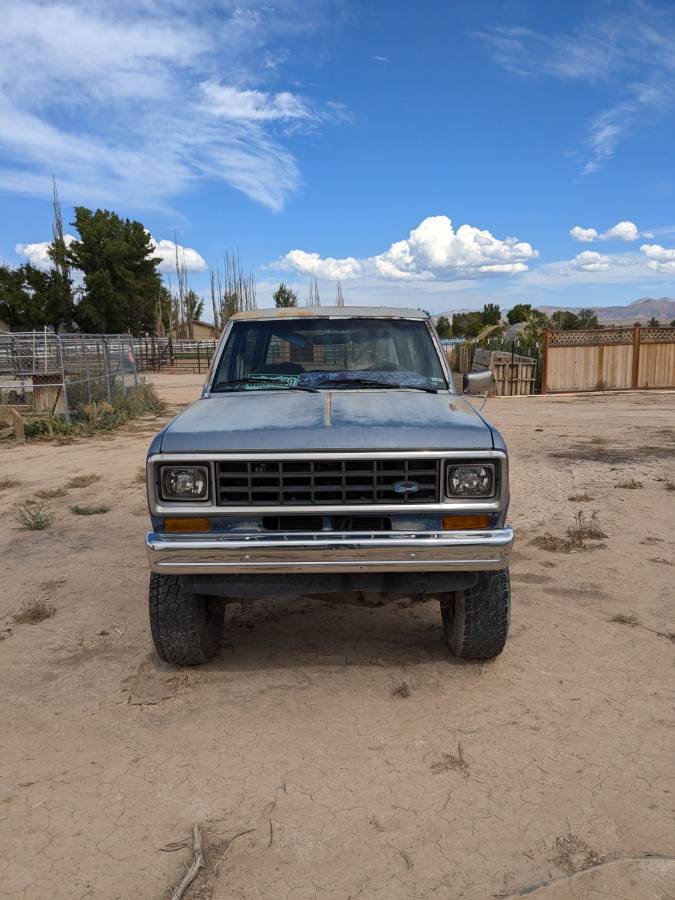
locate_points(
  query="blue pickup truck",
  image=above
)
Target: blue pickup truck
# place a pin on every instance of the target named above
(329, 454)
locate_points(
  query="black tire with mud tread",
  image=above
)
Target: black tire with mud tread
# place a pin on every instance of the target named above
(476, 621)
(186, 628)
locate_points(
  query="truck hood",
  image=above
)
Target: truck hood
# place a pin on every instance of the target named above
(294, 421)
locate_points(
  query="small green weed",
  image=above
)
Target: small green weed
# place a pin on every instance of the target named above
(35, 514)
(78, 510)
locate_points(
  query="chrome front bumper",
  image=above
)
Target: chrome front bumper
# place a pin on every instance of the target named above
(383, 551)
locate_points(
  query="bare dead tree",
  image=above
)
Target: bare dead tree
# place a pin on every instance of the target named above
(238, 292)
(59, 258)
(313, 298)
(215, 299)
(183, 313)
(339, 299)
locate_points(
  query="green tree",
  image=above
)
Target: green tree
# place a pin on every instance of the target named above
(653, 322)
(121, 278)
(535, 324)
(31, 298)
(284, 297)
(587, 319)
(467, 324)
(565, 320)
(518, 313)
(443, 327)
(491, 314)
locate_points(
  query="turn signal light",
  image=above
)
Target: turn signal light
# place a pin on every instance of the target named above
(196, 524)
(465, 523)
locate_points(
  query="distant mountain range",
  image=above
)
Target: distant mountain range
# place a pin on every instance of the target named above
(640, 310)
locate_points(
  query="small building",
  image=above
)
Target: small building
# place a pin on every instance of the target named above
(201, 331)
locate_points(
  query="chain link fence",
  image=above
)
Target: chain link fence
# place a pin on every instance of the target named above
(61, 374)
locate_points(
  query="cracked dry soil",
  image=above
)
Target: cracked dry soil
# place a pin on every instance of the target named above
(299, 729)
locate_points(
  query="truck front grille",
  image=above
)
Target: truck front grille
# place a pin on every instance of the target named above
(328, 482)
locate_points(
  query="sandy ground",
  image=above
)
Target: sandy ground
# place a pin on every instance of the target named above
(553, 765)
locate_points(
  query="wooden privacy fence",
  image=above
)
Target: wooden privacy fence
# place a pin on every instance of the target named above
(608, 359)
(513, 374)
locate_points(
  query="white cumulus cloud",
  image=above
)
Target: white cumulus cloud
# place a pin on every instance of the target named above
(622, 231)
(37, 254)
(590, 261)
(166, 251)
(585, 235)
(659, 259)
(433, 250)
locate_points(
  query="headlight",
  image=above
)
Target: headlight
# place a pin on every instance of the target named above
(471, 480)
(184, 482)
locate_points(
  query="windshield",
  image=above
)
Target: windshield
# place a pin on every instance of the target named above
(310, 354)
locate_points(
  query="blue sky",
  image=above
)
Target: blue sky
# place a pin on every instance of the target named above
(435, 154)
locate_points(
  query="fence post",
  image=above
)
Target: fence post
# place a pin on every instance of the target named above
(62, 368)
(121, 369)
(199, 362)
(636, 357)
(544, 362)
(132, 359)
(86, 368)
(104, 344)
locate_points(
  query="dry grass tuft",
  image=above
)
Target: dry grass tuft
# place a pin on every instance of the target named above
(402, 690)
(580, 498)
(32, 613)
(35, 514)
(623, 619)
(51, 493)
(582, 529)
(79, 510)
(140, 475)
(451, 761)
(7, 483)
(630, 484)
(669, 484)
(572, 854)
(81, 481)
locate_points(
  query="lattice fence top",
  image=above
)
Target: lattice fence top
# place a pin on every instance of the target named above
(624, 335)
(657, 335)
(594, 336)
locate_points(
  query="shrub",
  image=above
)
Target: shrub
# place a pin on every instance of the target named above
(35, 514)
(79, 510)
(100, 415)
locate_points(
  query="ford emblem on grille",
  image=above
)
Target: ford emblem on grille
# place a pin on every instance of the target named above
(406, 487)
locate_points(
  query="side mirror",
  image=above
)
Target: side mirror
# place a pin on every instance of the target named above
(477, 382)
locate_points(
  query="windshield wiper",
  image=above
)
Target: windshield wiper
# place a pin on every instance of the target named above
(365, 382)
(264, 385)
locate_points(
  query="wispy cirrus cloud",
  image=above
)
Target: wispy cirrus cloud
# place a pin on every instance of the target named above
(631, 51)
(138, 102)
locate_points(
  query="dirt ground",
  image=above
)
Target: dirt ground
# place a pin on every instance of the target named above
(361, 760)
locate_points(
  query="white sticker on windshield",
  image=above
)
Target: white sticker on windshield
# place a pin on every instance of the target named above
(270, 382)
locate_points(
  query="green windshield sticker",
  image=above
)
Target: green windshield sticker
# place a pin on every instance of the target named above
(270, 382)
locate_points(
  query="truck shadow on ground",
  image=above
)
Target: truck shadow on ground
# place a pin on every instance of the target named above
(305, 632)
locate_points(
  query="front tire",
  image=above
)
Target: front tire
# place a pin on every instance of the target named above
(476, 621)
(186, 628)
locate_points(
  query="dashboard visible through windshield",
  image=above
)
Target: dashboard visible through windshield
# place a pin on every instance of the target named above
(315, 353)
